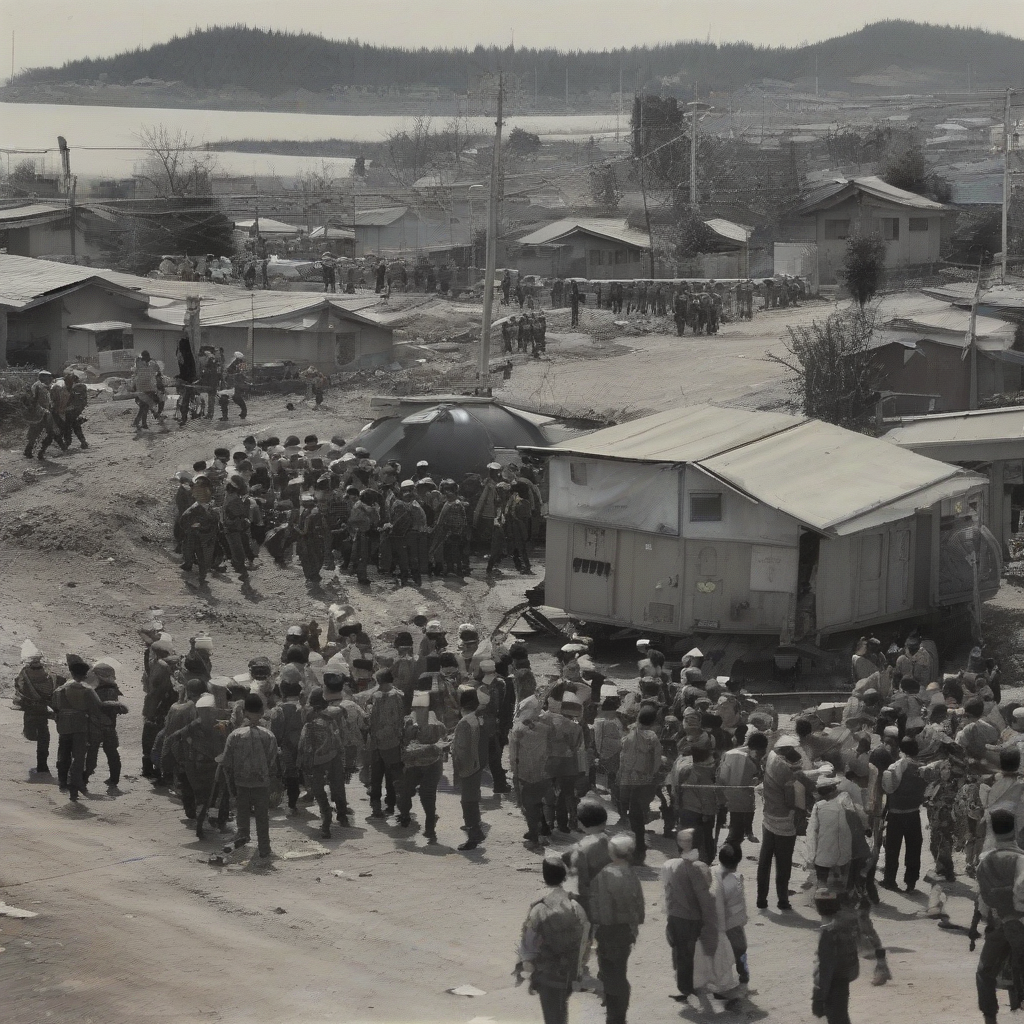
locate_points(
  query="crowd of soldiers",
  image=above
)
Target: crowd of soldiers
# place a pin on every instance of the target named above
(337, 509)
(682, 746)
(528, 331)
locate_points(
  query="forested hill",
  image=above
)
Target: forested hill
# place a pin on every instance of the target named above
(273, 63)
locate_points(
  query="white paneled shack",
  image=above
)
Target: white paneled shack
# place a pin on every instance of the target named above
(707, 520)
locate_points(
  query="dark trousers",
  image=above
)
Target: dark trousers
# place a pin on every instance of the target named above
(780, 849)
(682, 935)
(741, 824)
(421, 779)
(195, 783)
(361, 555)
(636, 800)
(531, 799)
(566, 800)
(470, 792)
(385, 772)
(331, 774)
(42, 734)
(837, 1002)
(236, 551)
(109, 746)
(703, 832)
(1006, 939)
(614, 944)
(494, 765)
(900, 829)
(554, 1003)
(73, 424)
(253, 801)
(72, 752)
(150, 728)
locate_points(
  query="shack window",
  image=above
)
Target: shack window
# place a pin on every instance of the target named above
(596, 257)
(634, 256)
(837, 229)
(890, 228)
(918, 223)
(620, 256)
(578, 473)
(706, 507)
(113, 340)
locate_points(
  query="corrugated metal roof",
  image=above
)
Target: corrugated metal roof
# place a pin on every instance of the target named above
(728, 229)
(834, 192)
(905, 507)
(960, 427)
(819, 474)
(823, 475)
(25, 281)
(602, 227)
(266, 307)
(269, 226)
(980, 190)
(39, 213)
(380, 218)
(332, 232)
(102, 325)
(687, 434)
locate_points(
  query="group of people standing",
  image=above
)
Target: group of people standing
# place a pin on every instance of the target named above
(528, 331)
(55, 410)
(336, 508)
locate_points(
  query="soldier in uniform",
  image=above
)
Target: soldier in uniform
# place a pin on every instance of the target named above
(78, 399)
(196, 748)
(199, 525)
(33, 696)
(40, 415)
(77, 706)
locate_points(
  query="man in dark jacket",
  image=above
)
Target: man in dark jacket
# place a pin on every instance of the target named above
(77, 706)
(905, 788)
(104, 682)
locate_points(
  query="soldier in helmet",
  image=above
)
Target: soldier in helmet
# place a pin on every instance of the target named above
(33, 696)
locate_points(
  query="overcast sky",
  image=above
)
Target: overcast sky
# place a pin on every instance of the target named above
(49, 32)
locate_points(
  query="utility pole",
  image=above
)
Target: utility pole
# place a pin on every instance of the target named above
(693, 152)
(567, 87)
(815, 76)
(618, 116)
(484, 369)
(1006, 182)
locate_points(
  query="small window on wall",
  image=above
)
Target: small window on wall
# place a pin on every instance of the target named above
(706, 507)
(620, 256)
(344, 349)
(596, 257)
(890, 228)
(918, 223)
(578, 473)
(837, 229)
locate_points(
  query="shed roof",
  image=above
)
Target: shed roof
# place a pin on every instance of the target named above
(608, 228)
(942, 429)
(329, 231)
(25, 281)
(729, 230)
(977, 190)
(269, 226)
(836, 192)
(821, 475)
(102, 325)
(381, 218)
(32, 213)
(242, 308)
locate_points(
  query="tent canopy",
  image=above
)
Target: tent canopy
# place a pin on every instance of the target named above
(454, 439)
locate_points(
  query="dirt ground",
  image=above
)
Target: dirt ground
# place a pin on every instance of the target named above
(135, 926)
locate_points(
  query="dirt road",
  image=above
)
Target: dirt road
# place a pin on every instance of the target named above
(134, 926)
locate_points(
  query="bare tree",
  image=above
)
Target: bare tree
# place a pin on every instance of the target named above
(835, 370)
(174, 165)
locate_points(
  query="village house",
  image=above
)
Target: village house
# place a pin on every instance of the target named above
(912, 227)
(43, 302)
(597, 248)
(713, 521)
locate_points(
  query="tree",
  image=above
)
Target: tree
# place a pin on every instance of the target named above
(173, 165)
(604, 186)
(835, 371)
(522, 143)
(694, 237)
(23, 174)
(863, 266)
(903, 166)
(977, 237)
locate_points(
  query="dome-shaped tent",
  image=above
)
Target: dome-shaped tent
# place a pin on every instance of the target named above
(454, 438)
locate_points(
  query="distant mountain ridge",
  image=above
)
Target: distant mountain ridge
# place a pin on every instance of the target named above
(270, 63)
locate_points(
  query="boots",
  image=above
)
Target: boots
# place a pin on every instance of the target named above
(882, 973)
(325, 829)
(430, 829)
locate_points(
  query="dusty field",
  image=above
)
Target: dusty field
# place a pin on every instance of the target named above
(134, 926)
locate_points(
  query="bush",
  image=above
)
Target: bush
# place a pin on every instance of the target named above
(863, 266)
(835, 371)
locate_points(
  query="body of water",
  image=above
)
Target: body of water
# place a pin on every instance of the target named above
(101, 138)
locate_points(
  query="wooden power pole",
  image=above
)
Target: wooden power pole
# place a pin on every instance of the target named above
(484, 369)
